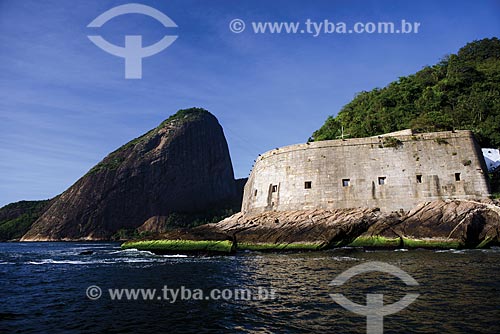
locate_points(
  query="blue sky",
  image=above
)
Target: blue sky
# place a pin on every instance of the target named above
(64, 103)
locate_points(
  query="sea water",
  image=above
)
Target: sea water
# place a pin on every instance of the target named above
(44, 288)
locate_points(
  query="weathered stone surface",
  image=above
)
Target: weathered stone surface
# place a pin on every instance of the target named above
(183, 165)
(437, 224)
(200, 233)
(391, 173)
(324, 227)
(156, 224)
(467, 223)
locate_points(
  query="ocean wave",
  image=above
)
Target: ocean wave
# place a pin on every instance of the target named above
(117, 260)
(133, 251)
(344, 258)
(452, 251)
(51, 261)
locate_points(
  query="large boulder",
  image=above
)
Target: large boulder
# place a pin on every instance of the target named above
(437, 224)
(302, 229)
(455, 223)
(183, 165)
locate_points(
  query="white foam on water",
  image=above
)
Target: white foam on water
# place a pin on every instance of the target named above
(491, 250)
(133, 251)
(92, 247)
(98, 245)
(129, 250)
(144, 252)
(156, 259)
(345, 258)
(50, 261)
(453, 251)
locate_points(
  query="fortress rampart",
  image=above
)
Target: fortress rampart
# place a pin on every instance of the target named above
(392, 172)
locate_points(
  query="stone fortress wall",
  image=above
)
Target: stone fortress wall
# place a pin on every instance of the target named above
(392, 172)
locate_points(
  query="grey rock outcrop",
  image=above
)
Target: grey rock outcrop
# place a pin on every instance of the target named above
(436, 224)
(183, 165)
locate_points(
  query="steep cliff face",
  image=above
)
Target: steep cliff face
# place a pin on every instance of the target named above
(183, 165)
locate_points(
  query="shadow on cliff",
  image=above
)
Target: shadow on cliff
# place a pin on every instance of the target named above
(178, 174)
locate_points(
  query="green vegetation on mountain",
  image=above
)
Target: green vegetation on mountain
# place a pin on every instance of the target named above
(461, 92)
(17, 218)
(117, 157)
(181, 116)
(184, 115)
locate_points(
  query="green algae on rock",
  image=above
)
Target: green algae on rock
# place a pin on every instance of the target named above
(432, 243)
(181, 246)
(451, 224)
(375, 241)
(279, 246)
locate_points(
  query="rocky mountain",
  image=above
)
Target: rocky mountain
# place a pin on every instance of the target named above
(182, 166)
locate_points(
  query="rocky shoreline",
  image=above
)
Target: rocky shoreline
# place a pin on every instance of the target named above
(443, 224)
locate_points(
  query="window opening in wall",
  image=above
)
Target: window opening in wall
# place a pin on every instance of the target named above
(255, 192)
(307, 185)
(457, 176)
(346, 182)
(419, 178)
(381, 180)
(274, 188)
